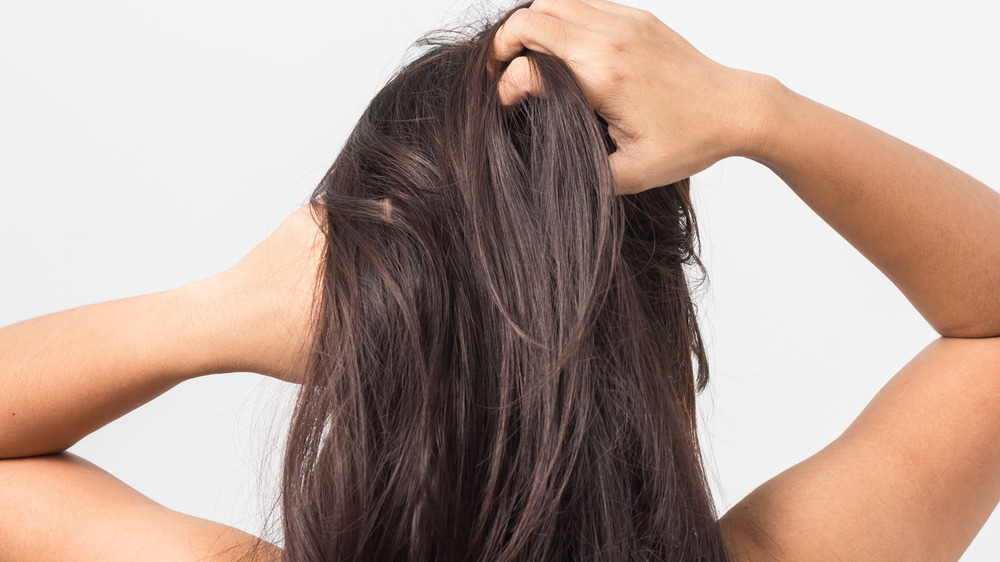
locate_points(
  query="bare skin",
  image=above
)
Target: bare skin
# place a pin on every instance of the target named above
(66, 374)
(61, 507)
(914, 477)
(69, 373)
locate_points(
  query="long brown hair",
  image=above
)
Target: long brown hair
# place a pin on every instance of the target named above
(506, 353)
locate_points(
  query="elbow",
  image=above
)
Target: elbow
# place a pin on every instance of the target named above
(976, 330)
(972, 319)
(12, 448)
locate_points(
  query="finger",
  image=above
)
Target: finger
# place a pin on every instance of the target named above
(533, 30)
(576, 12)
(519, 81)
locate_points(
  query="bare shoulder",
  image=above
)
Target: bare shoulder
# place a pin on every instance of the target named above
(914, 477)
(61, 507)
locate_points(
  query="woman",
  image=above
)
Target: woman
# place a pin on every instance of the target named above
(892, 202)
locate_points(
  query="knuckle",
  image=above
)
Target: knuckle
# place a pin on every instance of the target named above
(510, 36)
(617, 45)
(615, 75)
(644, 16)
(520, 19)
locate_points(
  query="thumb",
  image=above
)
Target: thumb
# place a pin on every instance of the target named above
(519, 80)
(627, 171)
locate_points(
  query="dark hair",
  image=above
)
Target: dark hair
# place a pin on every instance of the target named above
(505, 359)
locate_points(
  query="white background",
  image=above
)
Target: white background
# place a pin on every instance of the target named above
(144, 145)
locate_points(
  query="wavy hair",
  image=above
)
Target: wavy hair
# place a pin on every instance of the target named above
(507, 352)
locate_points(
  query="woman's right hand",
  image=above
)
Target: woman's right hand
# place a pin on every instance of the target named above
(671, 110)
(263, 307)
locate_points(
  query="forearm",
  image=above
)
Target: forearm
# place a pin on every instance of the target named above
(62, 507)
(932, 229)
(66, 374)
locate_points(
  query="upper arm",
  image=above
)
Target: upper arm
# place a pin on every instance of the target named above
(61, 507)
(914, 477)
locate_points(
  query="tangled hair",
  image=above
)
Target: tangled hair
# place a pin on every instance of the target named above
(506, 351)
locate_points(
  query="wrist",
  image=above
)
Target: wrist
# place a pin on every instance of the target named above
(762, 106)
(246, 326)
(214, 328)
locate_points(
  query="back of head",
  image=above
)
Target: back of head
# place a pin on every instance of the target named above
(506, 350)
